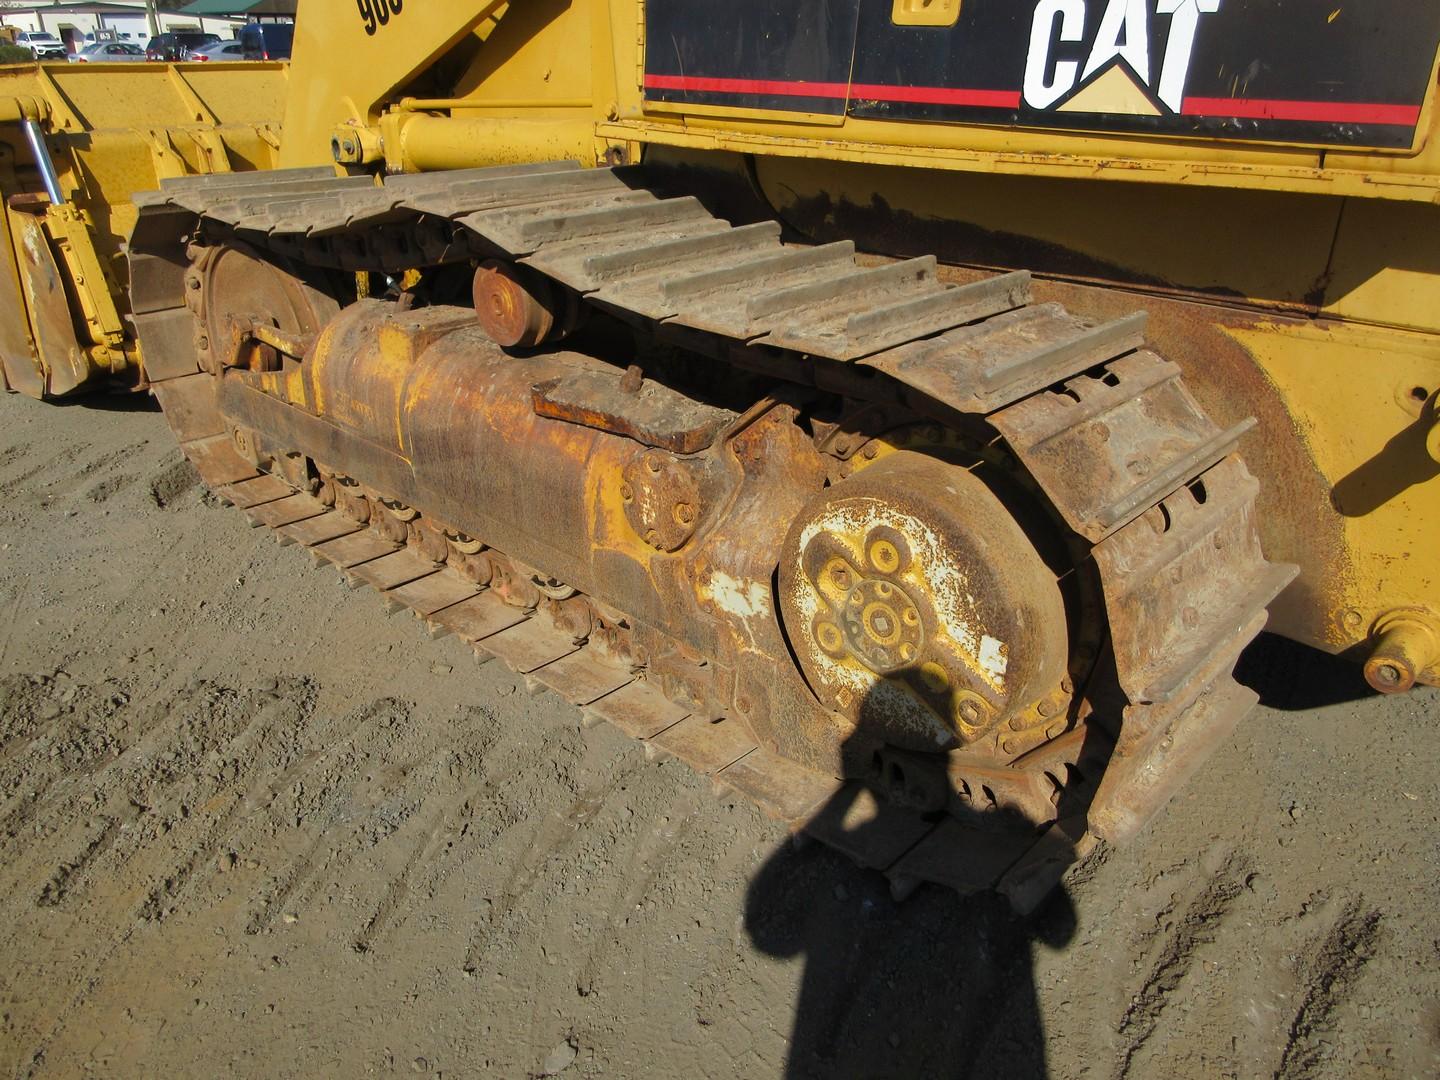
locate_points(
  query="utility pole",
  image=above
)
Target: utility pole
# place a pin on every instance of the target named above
(152, 17)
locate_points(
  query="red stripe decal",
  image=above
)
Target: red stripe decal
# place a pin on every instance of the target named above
(938, 95)
(1324, 112)
(746, 86)
(929, 95)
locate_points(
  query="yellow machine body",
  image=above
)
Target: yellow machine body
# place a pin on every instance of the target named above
(109, 130)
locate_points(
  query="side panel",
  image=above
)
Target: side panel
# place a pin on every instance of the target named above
(769, 56)
(1290, 71)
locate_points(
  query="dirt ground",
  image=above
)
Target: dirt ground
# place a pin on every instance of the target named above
(252, 826)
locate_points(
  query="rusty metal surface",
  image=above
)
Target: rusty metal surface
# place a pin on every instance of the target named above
(639, 710)
(475, 619)
(515, 306)
(871, 832)
(62, 363)
(319, 529)
(650, 413)
(1112, 444)
(707, 746)
(782, 789)
(650, 550)
(530, 645)
(1188, 575)
(390, 571)
(286, 511)
(1160, 748)
(20, 369)
(916, 605)
(985, 366)
(428, 595)
(253, 492)
(584, 676)
(353, 550)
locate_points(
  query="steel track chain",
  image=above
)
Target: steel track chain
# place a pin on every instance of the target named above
(1103, 426)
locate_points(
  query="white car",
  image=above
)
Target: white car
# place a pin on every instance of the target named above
(221, 50)
(44, 45)
(109, 52)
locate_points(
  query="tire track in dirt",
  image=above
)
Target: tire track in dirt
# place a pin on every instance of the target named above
(233, 780)
(180, 759)
(335, 770)
(423, 869)
(365, 806)
(649, 853)
(221, 767)
(1199, 925)
(553, 834)
(1332, 966)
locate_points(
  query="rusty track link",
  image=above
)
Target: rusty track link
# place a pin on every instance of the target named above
(1104, 427)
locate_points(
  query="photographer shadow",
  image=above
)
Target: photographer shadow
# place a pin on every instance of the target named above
(940, 985)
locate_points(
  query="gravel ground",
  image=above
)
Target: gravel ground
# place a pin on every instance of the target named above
(252, 826)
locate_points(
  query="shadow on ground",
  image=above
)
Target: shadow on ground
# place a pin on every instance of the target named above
(939, 986)
(125, 401)
(942, 985)
(1294, 677)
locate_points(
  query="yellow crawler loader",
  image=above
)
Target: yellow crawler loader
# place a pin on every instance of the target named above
(902, 411)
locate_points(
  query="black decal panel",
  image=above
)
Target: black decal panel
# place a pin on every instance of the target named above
(753, 54)
(1276, 70)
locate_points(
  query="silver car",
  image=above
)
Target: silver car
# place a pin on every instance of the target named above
(220, 50)
(108, 52)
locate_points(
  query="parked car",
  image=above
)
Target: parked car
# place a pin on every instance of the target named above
(267, 41)
(177, 45)
(45, 45)
(108, 52)
(221, 50)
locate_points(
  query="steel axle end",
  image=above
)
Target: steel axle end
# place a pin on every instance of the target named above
(1406, 646)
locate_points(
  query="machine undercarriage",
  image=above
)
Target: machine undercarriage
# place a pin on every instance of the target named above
(949, 579)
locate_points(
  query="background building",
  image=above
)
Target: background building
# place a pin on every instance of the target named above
(130, 21)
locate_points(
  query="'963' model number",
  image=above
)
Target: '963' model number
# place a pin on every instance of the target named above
(376, 13)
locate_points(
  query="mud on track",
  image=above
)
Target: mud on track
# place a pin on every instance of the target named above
(252, 826)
